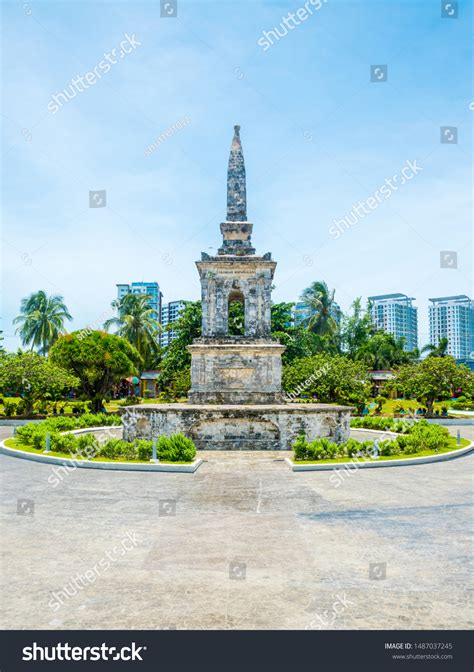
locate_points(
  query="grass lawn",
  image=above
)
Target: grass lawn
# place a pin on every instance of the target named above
(16, 445)
(115, 404)
(389, 407)
(424, 453)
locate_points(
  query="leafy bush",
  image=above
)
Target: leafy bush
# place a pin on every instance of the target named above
(380, 401)
(389, 447)
(63, 443)
(34, 433)
(371, 422)
(300, 448)
(143, 449)
(175, 448)
(425, 436)
(9, 408)
(412, 438)
(132, 400)
(180, 448)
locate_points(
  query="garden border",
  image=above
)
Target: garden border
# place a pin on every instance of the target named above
(86, 464)
(359, 464)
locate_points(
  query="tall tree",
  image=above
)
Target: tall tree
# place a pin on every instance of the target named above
(186, 328)
(136, 322)
(431, 379)
(440, 350)
(41, 320)
(99, 360)
(33, 378)
(383, 351)
(320, 300)
(356, 329)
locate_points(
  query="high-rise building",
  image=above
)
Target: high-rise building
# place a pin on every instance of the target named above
(396, 314)
(169, 313)
(150, 288)
(302, 312)
(452, 317)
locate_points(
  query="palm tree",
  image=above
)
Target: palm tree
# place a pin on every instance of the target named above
(320, 301)
(383, 351)
(41, 320)
(439, 350)
(137, 323)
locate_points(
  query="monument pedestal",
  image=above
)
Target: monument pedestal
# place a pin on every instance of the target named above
(238, 427)
(235, 371)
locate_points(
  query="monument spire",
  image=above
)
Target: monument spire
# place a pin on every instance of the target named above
(236, 230)
(236, 191)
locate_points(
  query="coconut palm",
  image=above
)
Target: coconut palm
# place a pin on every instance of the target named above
(320, 301)
(41, 320)
(440, 350)
(136, 321)
(383, 351)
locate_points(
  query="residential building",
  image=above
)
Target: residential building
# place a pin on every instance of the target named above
(452, 317)
(169, 313)
(396, 314)
(150, 288)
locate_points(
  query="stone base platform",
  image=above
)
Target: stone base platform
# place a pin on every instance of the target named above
(238, 427)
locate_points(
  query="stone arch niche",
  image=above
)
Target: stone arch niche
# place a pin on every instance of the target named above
(235, 433)
(236, 295)
(328, 426)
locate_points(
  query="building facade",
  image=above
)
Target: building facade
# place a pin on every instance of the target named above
(452, 317)
(396, 314)
(169, 314)
(150, 288)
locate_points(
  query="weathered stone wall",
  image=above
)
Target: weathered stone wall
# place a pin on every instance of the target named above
(272, 427)
(223, 278)
(236, 371)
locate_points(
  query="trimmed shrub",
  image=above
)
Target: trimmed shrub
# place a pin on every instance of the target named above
(425, 436)
(413, 438)
(300, 448)
(181, 449)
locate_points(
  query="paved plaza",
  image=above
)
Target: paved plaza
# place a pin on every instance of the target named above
(244, 543)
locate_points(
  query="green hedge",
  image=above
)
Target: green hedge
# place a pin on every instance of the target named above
(175, 448)
(382, 424)
(418, 437)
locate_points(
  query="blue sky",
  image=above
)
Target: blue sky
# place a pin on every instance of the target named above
(318, 137)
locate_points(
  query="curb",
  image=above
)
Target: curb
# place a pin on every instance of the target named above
(112, 466)
(412, 461)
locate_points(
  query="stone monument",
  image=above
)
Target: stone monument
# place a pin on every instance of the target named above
(236, 400)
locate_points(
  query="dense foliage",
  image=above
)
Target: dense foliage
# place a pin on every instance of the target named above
(418, 437)
(97, 359)
(431, 379)
(327, 379)
(175, 448)
(33, 377)
(177, 361)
